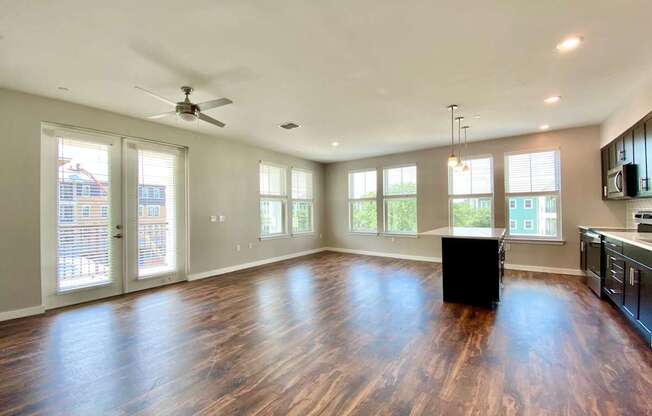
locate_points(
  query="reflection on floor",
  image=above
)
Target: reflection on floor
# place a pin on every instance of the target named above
(328, 334)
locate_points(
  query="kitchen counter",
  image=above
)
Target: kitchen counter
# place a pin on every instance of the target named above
(477, 233)
(633, 237)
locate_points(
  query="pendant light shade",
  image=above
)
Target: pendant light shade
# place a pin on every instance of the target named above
(466, 165)
(460, 164)
(452, 159)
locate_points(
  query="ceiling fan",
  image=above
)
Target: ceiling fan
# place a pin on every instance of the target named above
(187, 110)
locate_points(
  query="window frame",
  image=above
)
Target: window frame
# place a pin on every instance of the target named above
(351, 200)
(411, 196)
(452, 196)
(270, 197)
(559, 238)
(310, 200)
(525, 203)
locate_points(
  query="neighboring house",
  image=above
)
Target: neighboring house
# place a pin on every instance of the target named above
(532, 216)
(84, 218)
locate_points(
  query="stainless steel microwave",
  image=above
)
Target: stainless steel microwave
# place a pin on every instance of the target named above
(621, 181)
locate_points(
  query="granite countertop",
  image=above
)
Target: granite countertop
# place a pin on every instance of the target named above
(633, 237)
(467, 232)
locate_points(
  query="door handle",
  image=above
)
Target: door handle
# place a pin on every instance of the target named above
(119, 235)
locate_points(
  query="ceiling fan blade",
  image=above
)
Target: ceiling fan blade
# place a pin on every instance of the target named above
(207, 105)
(155, 116)
(211, 120)
(154, 95)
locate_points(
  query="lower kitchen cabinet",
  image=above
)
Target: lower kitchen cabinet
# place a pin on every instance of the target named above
(645, 298)
(636, 298)
(631, 289)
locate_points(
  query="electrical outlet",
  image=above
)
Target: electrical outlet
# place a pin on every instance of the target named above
(213, 218)
(222, 218)
(237, 247)
(320, 236)
(251, 245)
(393, 239)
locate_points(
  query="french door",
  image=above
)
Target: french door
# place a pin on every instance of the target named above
(113, 215)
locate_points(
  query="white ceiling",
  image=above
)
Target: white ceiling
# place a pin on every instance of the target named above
(374, 75)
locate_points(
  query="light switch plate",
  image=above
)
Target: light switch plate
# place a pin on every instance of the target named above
(213, 218)
(222, 218)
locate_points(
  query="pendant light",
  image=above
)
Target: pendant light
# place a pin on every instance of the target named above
(466, 165)
(460, 164)
(452, 159)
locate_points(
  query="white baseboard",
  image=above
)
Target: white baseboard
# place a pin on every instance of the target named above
(521, 267)
(382, 254)
(544, 269)
(20, 313)
(235, 268)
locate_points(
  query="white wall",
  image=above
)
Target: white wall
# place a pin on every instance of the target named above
(223, 179)
(625, 117)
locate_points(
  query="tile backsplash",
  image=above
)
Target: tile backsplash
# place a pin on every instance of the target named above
(633, 206)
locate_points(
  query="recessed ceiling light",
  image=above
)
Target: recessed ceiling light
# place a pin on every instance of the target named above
(552, 100)
(335, 144)
(544, 127)
(63, 89)
(569, 43)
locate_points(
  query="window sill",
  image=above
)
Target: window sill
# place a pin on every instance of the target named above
(306, 234)
(82, 288)
(405, 235)
(368, 233)
(274, 237)
(534, 241)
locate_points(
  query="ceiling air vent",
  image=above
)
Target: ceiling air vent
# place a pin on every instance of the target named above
(289, 126)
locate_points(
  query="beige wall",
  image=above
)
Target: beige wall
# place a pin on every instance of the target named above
(223, 180)
(581, 202)
(635, 109)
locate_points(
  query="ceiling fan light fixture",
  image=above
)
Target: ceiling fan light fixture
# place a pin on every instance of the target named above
(187, 116)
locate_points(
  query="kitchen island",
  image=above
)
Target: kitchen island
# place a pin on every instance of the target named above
(473, 262)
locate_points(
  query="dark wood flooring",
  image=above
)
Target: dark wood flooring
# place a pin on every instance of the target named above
(329, 334)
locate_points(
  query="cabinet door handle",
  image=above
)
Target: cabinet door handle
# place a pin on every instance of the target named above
(604, 191)
(581, 245)
(644, 184)
(631, 276)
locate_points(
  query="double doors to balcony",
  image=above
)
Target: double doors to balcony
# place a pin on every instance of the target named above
(112, 215)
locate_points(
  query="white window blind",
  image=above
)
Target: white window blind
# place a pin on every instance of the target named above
(363, 211)
(477, 180)
(157, 230)
(273, 200)
(533, 192)
(272, 180)
(532, 172)
(302, 201)
(83, 232)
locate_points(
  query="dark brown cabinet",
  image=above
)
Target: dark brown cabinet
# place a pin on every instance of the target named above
(614, 277)
(631, 284)
(604, 154)
(632, 147)
(640, 159)
(645, 298)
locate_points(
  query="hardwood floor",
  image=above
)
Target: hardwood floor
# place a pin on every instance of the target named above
(329, 334)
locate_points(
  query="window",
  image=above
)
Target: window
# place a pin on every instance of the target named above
(362, 202)
(512, 224)
(470, 194)
(141, 210)
(302, 205)
(104, 211)
(85, 211)
(153, 210)
(273, 200)
(86, 190)
(512, 204)
(157, 233)
(534, 179)
(400, 199)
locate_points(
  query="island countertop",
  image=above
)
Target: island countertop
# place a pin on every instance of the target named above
(478, 233)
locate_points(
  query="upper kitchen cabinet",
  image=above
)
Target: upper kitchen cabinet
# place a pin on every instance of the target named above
(625, 149)
(640, 159)
(604, 154)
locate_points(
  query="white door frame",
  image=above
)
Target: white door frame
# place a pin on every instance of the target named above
(48, 217)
